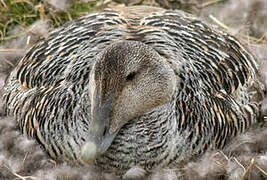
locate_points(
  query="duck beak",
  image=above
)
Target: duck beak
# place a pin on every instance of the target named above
(99, 138)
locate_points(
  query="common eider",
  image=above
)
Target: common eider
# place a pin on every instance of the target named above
(134, 86)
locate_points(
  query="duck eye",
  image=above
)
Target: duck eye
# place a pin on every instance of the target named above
(130, 76)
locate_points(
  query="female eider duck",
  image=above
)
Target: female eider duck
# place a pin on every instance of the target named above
(134, 86)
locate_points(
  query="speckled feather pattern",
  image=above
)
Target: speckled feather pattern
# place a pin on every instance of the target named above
(217, 96)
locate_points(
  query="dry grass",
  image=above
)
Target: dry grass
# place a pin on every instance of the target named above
(26, 12)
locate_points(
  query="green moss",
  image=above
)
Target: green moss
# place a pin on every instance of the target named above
(26, 12)
(75, 10)
(80, 8)
(13, 13)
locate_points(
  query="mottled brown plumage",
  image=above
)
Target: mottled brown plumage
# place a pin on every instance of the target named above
(136, 86)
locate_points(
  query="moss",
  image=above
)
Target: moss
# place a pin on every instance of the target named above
(75, 10)
(26, 12)
(13, 13)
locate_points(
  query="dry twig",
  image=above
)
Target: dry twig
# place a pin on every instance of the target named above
(19, 176)
(218, 22)
(248, 168)
(239, 163)
(4, 4)
(209, 3)
(259, 168)
(12, 50)
(19, 34)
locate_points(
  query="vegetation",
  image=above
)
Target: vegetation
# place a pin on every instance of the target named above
(26, 12)
(57, 12)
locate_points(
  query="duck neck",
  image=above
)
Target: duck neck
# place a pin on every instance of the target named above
(147, 141)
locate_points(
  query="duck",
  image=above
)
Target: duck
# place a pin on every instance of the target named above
(135, 86)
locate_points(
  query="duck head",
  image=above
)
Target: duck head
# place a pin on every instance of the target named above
(129, 79)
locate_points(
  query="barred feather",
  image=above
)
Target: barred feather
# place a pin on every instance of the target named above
(215, 99)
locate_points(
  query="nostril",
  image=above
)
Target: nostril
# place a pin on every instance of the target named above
(130, 76)
(105, 130)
